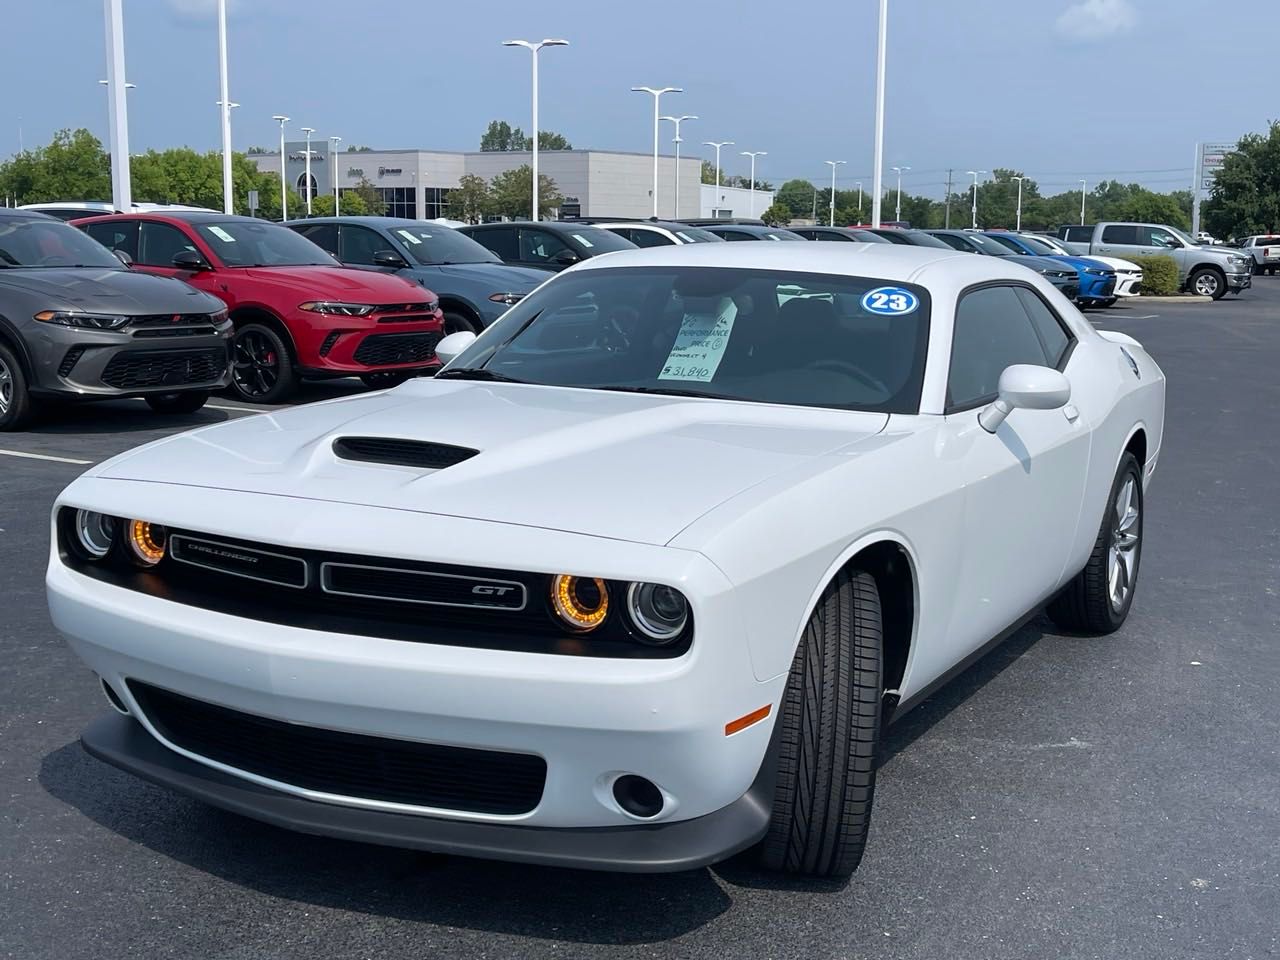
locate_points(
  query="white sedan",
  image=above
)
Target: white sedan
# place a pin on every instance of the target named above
(635, 581)
(1128, 273)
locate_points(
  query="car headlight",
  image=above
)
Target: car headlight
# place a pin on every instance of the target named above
(507, 298)
(335, 308)
(1239, 261)
(1097, 272)
(581, 603)
(660, 613)
(218, 318)
(147, 541)
(95, 532)
(76, 318)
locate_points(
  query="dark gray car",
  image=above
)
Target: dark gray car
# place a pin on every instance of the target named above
(472, 283)
(76, 324)
(1061, 275)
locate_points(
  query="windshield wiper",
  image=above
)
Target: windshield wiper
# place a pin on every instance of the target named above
(476, 373)
(667, 392)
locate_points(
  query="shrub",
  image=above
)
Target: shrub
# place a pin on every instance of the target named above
(1159, 275)
(778, 215)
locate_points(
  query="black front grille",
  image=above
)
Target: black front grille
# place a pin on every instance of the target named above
(385, 349)
(347, 764)
(401, 453)
(421, 586)
(170, 320)
(69, 361)
(135, 369)
(419, 306)
(153, 332)
(408, 318)
(251, 562)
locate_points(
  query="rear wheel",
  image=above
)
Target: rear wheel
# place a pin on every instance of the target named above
(261, 370)
(187, 402)
(385, 380)
(15, 401)
(829, 732)
(1099, 598)
(1207, 282)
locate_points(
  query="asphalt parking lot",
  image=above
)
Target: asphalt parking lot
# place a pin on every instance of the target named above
(1065, 798)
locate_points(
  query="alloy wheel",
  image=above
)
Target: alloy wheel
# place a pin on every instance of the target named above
(1207, 285)
(256, 367)
(6, 387)
(1126, 539)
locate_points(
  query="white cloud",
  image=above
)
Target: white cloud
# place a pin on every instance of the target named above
(1096, 19)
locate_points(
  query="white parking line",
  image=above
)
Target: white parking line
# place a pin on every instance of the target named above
(42, 456)
(223, 406)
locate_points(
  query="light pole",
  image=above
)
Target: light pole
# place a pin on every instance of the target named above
(897, 210)
(975, 174)
(228, 197)
(1018, 225)
(717, 145)
(859, 201)
(657, 93)
(677, 141)
(878, 173)
(117, 109)
(753, 154)
(533, 47)
(833, 164)
(1083, 186)
(306, 176)
(333, 171)
(281, 119)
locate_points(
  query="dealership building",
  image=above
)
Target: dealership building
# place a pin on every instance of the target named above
(594, 183)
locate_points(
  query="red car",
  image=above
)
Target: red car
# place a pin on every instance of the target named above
(296, 311)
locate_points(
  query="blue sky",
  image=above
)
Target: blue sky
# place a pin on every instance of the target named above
(1062, 89)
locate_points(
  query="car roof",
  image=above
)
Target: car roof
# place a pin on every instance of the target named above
(745, 228)
(11, 213)
(561, 226)
(368, 221)
(182, 216)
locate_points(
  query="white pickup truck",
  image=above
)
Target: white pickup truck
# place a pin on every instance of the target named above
(1265, 250)
(1207, 271)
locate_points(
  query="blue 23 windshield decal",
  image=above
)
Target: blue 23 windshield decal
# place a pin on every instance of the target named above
(890, 301)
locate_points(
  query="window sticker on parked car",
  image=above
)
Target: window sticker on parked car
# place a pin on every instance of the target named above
(221, 234)
(583, 240)
(407, 236)
(701, 343)
(890, 301)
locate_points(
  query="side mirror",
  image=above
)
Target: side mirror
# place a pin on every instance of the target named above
(454, 344)
(1027, 386)
(123, 257)
(566, 258)
(388, 258)
(189, 260)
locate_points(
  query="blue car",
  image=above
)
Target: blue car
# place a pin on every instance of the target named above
(1097, 280)
(474, 286)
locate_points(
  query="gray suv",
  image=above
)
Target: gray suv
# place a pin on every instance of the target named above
(76, 323)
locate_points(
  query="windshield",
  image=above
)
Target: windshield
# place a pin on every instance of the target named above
(1024, 244)
(1051, 244)
(917, 238)
(598, 240)
(806, 339)
(50, 243)
(1186, 237)
(695, 235)
(780, 235)
(440, 244)
(245, 243)
(989, 246)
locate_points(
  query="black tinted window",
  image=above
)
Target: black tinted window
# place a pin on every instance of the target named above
(358, 245)
(955, 242)
(1120, 233)
(323, 235)
(1053, 336)
(501, 240)
(158, 243)
(649, 238)
(542, 246)
(121, 235)
(1082, 233)
(992, 331)
(40, 242)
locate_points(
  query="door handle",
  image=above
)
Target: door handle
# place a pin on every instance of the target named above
(1071, 413)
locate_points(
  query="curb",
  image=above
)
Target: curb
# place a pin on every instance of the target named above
(1187, 299)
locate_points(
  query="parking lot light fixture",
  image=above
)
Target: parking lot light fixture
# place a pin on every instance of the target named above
(281, 119)
(228, 196)
(657, 93)
(833, 164)
(677, 141)
(877, 193)
(975, 174)
(333, 171)
(717, 145)
(859, 201)
(897, 210)
(117, 108)
(533, 47)
(753, 154)
(1084, 186)
(1018, 217)
(306, 176)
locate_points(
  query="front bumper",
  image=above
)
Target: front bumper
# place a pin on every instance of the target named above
(639, 848)
(1128, 286)
(345, 346)
(1097, 287)
(1239, 281)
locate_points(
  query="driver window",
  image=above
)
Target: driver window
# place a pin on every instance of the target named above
(992, 331)
(116, 235)
(1162, 238)
(541, 246)
(358, 245)
(159, 242)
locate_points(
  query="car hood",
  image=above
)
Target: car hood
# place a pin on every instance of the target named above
(1080, 263)
(336, 283)
(503, 278)
(107, 291)
(1038, 264)
(623, 466)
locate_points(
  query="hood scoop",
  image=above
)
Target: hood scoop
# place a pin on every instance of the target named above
(401, 453)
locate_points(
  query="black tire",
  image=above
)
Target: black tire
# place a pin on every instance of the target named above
(387, 379)
(829, 732)
(1087, 603)
(16, 407)
(1271, 271)
(1208, 282)
(1258, 269)
(1110, 301)
(262, 368)
(458, 322)
(187, 402)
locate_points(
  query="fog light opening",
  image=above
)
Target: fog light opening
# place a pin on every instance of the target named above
(113, 698)
(637, 796)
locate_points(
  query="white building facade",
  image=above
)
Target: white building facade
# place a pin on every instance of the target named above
(725, 202)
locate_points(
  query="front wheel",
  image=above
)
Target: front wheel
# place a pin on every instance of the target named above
(1099, 598)
(261, 370)
(455, 322)
(1207, 282)
(187, 402)
(15, 401)
(1110, 301)
(829, 733)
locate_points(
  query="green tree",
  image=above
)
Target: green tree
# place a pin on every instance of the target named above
(798, 197)
(352, 205)
(374, 205)
(550, 140)
(470, 200)
(708, 172)
(778, 215)
(359, 148)
(501, 137)
(256, 151)
(511, 193)
(72, 166)
(1246, 191)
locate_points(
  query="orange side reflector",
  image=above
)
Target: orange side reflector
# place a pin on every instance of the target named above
(755, 716)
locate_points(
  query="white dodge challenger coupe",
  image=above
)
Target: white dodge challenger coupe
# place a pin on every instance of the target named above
(635, 581)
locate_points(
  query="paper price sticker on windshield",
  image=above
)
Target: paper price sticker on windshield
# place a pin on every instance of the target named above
(221, 234)
(700, 344)
(890, 301)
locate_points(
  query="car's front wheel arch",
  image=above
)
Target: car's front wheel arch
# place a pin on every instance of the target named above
(243, 316)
